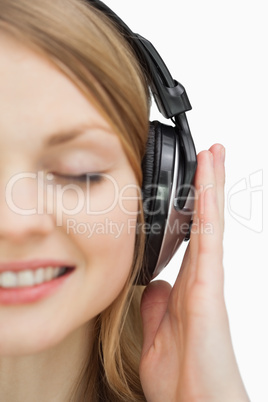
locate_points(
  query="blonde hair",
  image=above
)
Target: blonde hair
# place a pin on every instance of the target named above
(87, 47)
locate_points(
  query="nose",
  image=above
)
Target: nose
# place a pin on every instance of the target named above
(22, 208)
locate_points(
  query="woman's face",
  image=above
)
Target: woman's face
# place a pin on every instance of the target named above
(88, 225)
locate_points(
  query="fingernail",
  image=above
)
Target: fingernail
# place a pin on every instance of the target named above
(211, 158)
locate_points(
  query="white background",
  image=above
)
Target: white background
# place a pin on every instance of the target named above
(218, 51)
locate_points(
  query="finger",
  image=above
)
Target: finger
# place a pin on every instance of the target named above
(153, 307)
(209, 228)
(218, 152)
(204, 180)
(183, 283)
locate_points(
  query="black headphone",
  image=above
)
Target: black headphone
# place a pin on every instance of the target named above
(169, 164)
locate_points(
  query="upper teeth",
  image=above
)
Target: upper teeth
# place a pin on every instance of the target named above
(10, 279)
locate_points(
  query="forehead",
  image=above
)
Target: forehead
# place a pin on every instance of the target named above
(27, 74)
(33, 88)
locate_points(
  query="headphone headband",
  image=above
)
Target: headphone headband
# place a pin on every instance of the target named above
(170, 96)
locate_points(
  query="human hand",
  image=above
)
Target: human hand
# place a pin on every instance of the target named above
(187, 353)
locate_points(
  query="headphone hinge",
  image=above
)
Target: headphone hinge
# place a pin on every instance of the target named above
(170, 96)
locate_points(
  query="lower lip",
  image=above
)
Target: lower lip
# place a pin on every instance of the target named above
(31, 294)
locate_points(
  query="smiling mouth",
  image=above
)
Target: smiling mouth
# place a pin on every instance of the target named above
(32, 278)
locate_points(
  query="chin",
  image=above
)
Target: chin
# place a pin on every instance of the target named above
(22, 340)
(18, 347)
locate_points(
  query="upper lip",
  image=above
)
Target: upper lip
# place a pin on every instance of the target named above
(32, 264)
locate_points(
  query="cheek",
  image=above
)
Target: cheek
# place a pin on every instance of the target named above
(106, 220)
(104, 236)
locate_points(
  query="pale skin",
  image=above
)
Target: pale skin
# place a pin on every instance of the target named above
(44, 345)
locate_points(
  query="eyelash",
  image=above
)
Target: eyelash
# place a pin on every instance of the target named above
(95, 178)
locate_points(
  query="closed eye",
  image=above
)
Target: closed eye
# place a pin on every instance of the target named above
(87, 177)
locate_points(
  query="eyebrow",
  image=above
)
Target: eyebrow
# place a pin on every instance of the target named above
(64, 136)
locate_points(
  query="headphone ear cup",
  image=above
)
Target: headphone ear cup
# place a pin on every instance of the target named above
(158, 169)
(166, 225)
(150, 169)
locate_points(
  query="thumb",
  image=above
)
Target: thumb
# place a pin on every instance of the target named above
(153, 307)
